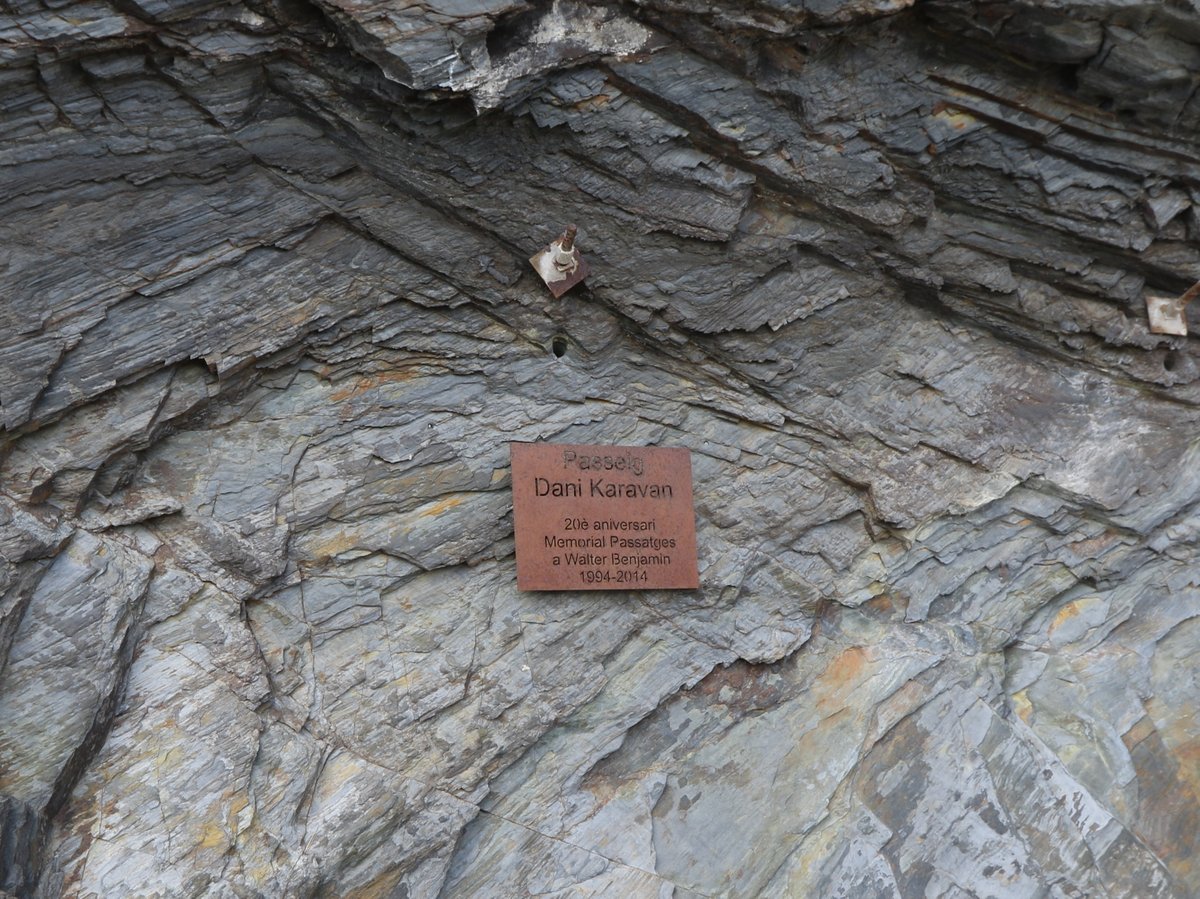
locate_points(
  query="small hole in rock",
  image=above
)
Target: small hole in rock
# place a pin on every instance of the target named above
(1170, 361)
(558, 346)
(1068, 78)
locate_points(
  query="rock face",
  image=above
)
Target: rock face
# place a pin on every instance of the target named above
(267, 328)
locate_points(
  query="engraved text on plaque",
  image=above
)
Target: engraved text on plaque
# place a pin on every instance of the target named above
(603, 517)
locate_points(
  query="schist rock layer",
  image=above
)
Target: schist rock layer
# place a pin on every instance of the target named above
(268, 327)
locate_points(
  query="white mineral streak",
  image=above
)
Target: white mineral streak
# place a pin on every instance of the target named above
(578, 31)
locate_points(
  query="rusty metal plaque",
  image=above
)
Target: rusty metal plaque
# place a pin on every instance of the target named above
(603, 517)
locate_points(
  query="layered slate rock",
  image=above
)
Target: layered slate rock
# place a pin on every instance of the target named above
(268, 327)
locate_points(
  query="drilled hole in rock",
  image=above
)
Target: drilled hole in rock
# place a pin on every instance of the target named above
(1068, 78)
(558, 346)
(1170, 361)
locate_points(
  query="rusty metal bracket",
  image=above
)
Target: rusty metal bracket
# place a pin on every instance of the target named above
(1168, 315)
(560, 264)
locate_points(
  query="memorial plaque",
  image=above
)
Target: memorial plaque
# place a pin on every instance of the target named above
(603, 517)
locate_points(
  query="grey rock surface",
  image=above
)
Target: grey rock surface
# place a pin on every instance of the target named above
(267, 328)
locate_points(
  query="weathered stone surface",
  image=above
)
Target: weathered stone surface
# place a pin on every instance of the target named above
(268, 328)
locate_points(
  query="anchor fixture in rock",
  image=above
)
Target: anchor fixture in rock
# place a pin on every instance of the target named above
(560, 264)
(1168, 315)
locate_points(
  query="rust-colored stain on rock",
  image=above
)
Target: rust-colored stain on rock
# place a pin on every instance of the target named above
(593, 517)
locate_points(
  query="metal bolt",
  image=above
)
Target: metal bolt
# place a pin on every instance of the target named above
(560, 265)
(1190, 294)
